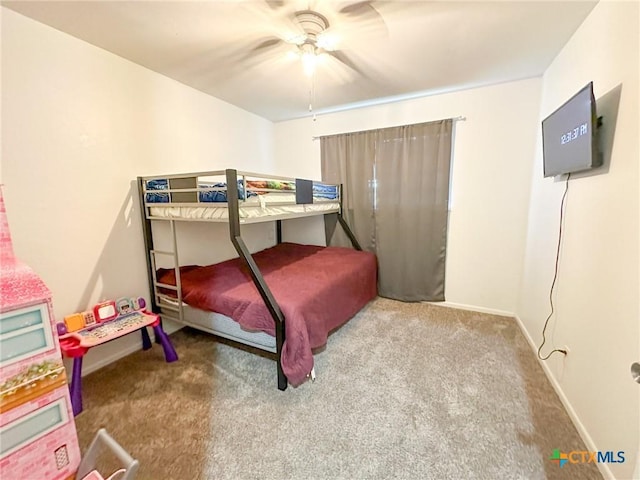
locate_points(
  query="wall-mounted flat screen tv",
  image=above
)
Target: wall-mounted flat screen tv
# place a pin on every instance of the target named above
(569, 136)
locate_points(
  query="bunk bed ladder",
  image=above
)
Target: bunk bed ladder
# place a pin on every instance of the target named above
(256, 275)
(161, 298)
(157, 297)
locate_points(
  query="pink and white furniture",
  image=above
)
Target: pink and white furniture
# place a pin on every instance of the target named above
(38, 438)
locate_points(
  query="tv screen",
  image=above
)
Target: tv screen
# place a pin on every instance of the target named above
(569, 135)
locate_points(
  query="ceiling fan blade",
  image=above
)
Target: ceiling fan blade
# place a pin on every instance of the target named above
(275, 16)
(262, 48)
(360, 8)
(267, 44)
(345, 59)
(274, 4)
(364, 11)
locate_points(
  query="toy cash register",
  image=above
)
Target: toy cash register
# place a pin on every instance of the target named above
(107, 321)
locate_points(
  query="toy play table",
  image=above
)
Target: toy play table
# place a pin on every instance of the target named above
(76, 344)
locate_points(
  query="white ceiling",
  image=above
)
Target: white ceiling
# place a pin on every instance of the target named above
(422, 47)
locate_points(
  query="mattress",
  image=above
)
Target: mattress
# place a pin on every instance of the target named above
(256, 199)
(223, 326)
(269, 205)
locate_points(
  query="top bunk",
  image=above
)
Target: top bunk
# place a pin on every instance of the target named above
(216, 196)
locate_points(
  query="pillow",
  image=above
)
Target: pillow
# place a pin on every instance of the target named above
(161, 184)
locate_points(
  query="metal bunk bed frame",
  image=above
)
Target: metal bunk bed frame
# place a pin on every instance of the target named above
(239, 245)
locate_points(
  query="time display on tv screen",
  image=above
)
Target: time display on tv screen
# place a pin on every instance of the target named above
(574, 134)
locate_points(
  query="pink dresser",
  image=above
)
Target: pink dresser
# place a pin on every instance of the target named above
(38, 437)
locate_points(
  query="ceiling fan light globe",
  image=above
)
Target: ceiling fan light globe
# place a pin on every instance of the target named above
(309, 63)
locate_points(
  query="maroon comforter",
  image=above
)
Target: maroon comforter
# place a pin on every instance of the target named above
(317, 288)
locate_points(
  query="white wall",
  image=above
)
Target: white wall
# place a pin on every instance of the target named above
(597, 291)
(492, 161)
(72, 112)
(78, 125)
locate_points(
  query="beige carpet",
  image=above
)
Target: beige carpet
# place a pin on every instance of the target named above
(404, 391)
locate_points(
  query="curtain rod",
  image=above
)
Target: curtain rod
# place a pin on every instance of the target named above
(459, 118)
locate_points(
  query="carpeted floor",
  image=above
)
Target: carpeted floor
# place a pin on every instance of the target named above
(404, 391)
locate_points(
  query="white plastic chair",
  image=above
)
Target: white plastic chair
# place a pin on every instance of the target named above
(87, 469)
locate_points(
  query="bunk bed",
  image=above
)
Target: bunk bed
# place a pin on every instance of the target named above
(285, 299)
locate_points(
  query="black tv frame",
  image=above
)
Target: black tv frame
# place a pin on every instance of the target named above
(556, 163)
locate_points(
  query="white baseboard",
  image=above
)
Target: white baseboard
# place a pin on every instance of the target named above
(473, 308)
(169, 327)
(90, 367)
(582, 431)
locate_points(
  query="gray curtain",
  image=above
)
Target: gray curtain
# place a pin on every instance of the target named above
(349, 159)
(396, 185)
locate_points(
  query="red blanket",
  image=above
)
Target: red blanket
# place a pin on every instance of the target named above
(317, 288)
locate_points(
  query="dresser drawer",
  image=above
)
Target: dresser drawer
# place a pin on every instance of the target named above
(31, 427)
(39, 438)
(24, 333)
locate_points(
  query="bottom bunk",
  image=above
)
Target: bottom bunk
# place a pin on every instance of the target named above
(317, 288)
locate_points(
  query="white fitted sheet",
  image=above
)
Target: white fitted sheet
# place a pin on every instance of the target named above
(278, 205)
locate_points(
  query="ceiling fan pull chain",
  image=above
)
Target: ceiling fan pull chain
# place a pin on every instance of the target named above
(312, 95)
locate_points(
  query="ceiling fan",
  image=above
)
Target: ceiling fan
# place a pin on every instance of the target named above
(309, 34)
